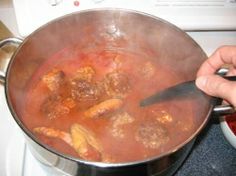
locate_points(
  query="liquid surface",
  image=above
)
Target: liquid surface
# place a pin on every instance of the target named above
(86, 104)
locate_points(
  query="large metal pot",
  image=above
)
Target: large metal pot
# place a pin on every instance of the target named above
(117, 28)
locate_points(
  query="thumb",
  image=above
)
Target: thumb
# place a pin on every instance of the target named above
(218, 87)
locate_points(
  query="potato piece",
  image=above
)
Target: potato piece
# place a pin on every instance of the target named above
(50, 132)
(104, 107)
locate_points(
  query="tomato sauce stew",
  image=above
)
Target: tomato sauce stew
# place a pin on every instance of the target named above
(85, 104)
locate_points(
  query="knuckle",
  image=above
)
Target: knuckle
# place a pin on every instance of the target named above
(232, 96)
(217, 87)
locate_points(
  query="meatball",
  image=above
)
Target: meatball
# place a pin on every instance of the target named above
(116, 84)
(122, 119)
(85, 73)
(82, 90)
(152, 135)
(54, 79)
(119, 122)
(82, 86)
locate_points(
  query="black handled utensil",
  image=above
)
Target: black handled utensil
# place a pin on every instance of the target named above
(182, 90)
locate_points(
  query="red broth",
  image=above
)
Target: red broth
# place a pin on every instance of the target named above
(72, 85)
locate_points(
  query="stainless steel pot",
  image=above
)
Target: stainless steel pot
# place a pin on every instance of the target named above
(106, 28)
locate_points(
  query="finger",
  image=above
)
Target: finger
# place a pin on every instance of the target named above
(223, 55)
(218, 87)
(231, 72)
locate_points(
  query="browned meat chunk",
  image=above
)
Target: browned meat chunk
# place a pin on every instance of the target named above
(119, 121)
(85, 143)
(152, 135)
(116, 84)
(55, 106)
(82, 87)
(104, 107)
(54, 79)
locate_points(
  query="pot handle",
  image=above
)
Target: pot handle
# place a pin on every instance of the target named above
(222, 109)
(2, 44)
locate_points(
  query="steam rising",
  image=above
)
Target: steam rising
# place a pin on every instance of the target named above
(98, 30)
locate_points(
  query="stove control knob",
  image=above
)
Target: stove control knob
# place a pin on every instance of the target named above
(97, 1)
(54, 2)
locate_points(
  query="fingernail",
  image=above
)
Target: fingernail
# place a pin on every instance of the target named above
(201, 81)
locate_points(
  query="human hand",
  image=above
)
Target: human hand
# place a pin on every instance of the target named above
(213, 84)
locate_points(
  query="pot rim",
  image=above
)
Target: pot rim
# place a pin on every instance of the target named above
(92, 163)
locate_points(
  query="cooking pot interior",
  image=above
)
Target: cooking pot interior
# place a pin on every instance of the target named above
(114, 30)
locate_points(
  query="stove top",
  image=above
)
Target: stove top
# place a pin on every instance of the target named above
(211, 154)
(186, 14)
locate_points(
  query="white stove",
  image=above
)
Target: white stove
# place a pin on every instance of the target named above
(199, 17)
(187, 14)
(211, 23)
